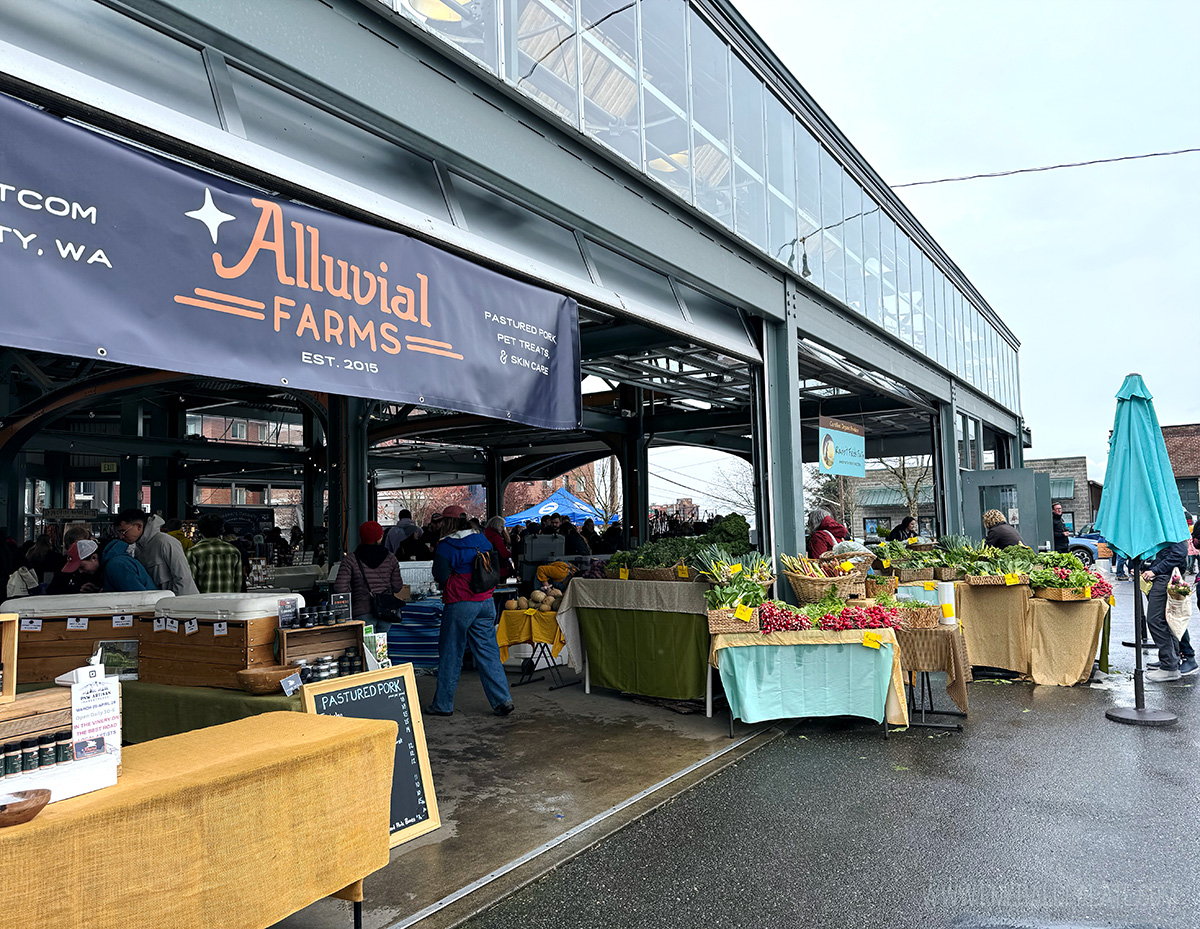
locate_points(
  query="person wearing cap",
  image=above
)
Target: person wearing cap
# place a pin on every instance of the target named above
(468, 619)
(81, 573)
(216, 565)
(369, 569)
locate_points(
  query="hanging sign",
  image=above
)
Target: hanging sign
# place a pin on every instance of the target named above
(109, 252)
(842, 448)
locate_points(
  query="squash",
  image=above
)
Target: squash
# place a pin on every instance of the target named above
(510, 604)
(537, 596)
(546, 606)
(522, 603)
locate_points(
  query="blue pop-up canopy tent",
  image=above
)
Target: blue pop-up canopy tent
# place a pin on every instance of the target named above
(561, 502)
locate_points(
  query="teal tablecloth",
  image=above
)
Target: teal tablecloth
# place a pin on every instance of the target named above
(792, 681)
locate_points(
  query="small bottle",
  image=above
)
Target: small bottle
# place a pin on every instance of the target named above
(29, 755)
(12, 759)
(46, 751)
(62, 747)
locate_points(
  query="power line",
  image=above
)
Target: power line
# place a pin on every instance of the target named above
(1071, 164)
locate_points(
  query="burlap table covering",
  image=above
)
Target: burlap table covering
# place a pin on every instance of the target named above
(994, 621)
(897, 707)
(940, 649)
(236, 826)
(1064, 637)
(518, 627)
(648, 596)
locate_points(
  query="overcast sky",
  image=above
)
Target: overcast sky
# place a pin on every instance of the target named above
(1094, 268)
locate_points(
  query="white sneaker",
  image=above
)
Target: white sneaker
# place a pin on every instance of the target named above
(1159, 676)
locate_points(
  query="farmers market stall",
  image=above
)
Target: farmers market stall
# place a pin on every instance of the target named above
(641, 637)
(1063, 638)
(538, 629)
(941, 648)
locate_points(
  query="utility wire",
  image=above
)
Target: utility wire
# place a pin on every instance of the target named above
(1072, 164)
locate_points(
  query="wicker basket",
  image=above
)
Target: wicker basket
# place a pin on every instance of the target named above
(993, 580)
(922, 547)
(1061, 593)
(723, 622)
(920, 617)
(614, 574)
(655, 574)
(862, 561)
(945, 573)
(907, 575)
(811, 589)
(876, 584)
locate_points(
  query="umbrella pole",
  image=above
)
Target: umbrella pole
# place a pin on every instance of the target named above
(1138, 715)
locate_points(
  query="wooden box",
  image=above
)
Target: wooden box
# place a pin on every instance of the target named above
(38, 712)
(319, 641)
(50, 646)
(231, 632)
(8, 656)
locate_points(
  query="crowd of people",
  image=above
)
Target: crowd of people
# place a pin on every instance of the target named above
(141, 551)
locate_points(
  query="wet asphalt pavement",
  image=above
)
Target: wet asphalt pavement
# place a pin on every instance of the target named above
(1042, 813)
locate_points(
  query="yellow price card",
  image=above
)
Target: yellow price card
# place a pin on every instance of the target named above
(735, 569)
(624, 573)
(931, 585)
(913, 540)
(847, 566)
(947, 610)
(1112, 601)
(681, 570)
(743, 612)
(531, 612)
(1011, 579)
(886, 562)
(871, 639)
(1087, 593)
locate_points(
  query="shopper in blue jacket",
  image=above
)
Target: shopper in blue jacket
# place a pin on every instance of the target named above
(122, 571)
(467, 618)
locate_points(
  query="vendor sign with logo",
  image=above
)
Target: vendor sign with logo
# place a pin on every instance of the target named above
(842, 448)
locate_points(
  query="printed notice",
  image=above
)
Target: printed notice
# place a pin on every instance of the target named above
(77, 622)
(96, 713)
(160, 624)
(172, 625)
(220, 629)
(123, 622)
(192, 625)
(31, 625)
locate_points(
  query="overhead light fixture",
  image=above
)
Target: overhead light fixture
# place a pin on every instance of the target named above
(680, 159)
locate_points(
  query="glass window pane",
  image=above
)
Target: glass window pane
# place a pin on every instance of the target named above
(904, 288)
(469, 25)
(889, 295)
(935, 321)
(781, 184)
(750, 163)
(710, 121)
(608, 55)
(954, 300)
(852, 209)
(808, 181)
(990, 361)
(978, 350)
(664, 77)
(872, 266)
(923, 334)
(542, 49)
(831, 227)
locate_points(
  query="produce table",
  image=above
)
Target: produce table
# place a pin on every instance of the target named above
(153, 711)
(521, 627)
(640, 637)
(940, 649)
(994, 622)
(1064, 637)
(787, 675)
(236, 826)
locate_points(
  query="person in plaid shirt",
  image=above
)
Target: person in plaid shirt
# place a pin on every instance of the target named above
(216, 565)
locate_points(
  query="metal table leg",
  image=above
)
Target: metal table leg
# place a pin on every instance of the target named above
(927, 698)
(708, 693)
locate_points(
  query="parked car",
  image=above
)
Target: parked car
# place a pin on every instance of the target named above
(1086, 549)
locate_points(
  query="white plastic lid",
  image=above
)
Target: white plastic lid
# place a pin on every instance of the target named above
(218, 606)
(101, 604)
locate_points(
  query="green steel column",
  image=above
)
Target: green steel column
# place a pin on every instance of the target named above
(785, 473)
(494, 483)
(946, 466)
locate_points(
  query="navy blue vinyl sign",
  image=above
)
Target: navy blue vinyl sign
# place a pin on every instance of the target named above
(106, 251)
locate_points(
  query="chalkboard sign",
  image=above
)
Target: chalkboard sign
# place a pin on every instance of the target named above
(388, 694)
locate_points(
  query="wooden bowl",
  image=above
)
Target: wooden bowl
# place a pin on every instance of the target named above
(262, 681)
(20, 806)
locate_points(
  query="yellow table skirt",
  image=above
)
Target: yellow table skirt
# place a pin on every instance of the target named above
(236, 826)
(528, 627)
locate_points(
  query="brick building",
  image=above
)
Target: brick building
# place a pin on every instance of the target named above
(1183, 446)
(1070, 486)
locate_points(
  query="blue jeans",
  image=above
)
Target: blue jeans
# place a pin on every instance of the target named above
(1156, 620)
(464, 624)
(1118, 564)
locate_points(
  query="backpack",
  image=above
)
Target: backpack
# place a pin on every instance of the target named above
(485, 572)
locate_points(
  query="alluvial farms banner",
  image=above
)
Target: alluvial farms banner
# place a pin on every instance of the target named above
(108, 252)
(842, 448)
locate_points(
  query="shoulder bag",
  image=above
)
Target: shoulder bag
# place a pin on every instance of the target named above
(385, 607)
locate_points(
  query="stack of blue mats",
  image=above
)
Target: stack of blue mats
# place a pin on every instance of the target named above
(415, 638)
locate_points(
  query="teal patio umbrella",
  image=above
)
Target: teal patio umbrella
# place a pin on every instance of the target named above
(1140, 513)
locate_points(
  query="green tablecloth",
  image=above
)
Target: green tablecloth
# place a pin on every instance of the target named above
(151, 711)
(794, 681)
(655, 654)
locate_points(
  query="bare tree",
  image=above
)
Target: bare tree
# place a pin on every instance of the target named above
(837, 494)
(911, 475)
(601, 488)
(737, 484)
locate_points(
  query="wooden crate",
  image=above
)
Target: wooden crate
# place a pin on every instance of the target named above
(38, 712)
(8, 656)
(55, 649)
(319, 641)
(203, 658)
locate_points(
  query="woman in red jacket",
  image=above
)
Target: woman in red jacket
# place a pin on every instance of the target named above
(498, 536)
(824, 532)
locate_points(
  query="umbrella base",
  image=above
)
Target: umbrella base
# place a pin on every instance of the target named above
(1134, 717)
(1145, 646)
